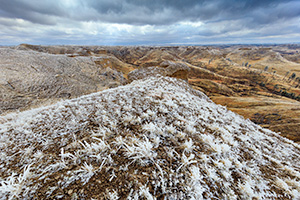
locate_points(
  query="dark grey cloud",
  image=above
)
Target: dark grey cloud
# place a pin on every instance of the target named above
(154, 12)
(169, 11)
(143, 21)
(36, 11)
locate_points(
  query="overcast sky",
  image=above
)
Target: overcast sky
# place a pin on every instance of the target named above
(149, 22)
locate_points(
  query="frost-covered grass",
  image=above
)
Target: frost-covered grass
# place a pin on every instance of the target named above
(155, 138)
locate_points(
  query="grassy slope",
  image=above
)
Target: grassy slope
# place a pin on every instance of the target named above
(150, 139)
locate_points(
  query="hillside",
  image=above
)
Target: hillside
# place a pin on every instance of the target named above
(155, 138)
(259, 82)
(29, 78)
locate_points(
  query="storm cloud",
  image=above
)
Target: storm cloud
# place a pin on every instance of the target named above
(155, 21)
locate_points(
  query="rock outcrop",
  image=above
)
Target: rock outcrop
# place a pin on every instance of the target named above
(166, 68)
(177, 70)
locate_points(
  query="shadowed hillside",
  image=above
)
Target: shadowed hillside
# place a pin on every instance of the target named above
(30, 78)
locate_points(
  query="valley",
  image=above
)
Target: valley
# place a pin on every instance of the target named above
(258, 82)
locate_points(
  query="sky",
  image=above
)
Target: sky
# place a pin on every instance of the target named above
(149, 22)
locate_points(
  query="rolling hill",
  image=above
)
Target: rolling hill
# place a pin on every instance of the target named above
(155, 138)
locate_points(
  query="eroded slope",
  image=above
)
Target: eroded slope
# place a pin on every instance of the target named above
(31, 78)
